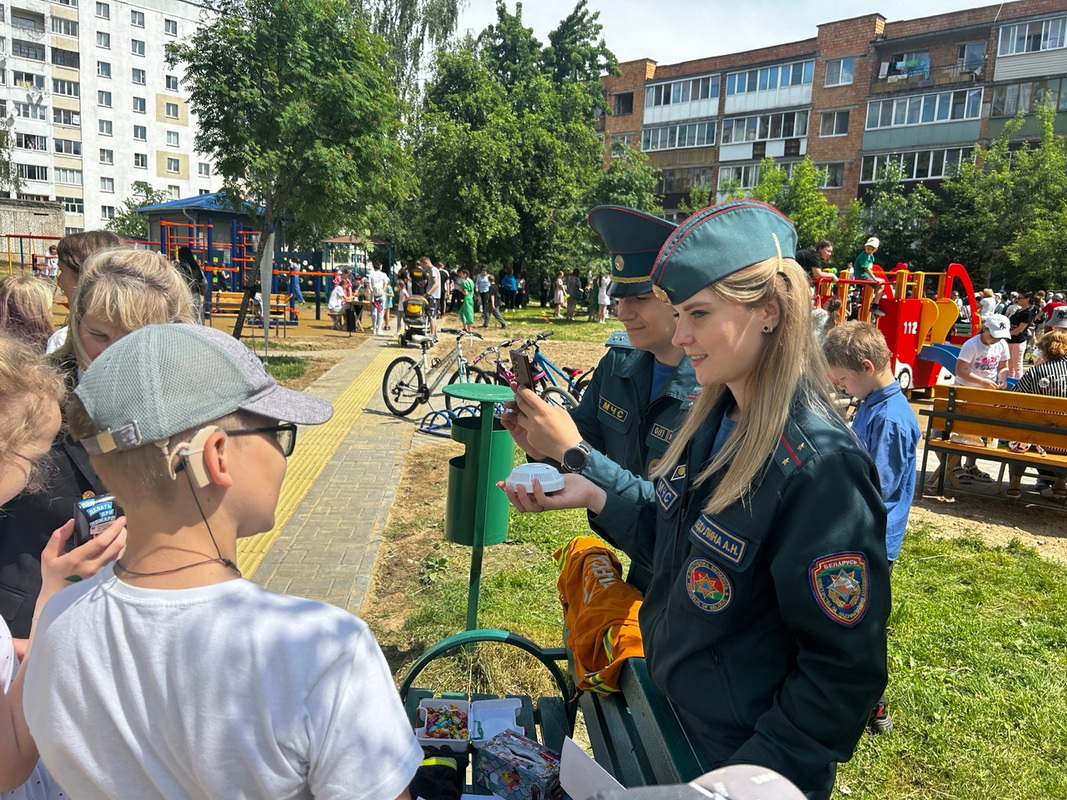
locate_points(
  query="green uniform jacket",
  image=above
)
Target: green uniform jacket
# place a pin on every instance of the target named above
(627, 433)
(765, 624)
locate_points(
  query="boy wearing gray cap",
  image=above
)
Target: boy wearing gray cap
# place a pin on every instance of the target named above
(168, 674)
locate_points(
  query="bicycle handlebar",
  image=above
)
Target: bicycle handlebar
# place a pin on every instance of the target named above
(458, 333)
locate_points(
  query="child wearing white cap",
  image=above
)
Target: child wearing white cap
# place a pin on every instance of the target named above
(862, 271)
(983, 362)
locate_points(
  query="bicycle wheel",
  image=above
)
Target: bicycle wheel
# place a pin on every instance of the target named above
(558, 397)
(403, 387)
(471, 377)
(583, 383)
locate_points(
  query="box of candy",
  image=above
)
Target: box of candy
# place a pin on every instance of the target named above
(443, 723)
(517, 768)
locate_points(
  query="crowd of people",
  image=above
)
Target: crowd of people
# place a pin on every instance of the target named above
(141, 663)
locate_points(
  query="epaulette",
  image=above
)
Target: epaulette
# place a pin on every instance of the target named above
(619, 339)
(793, 450)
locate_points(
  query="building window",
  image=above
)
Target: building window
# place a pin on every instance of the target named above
(103, 10)
(72, 205)
(1029, 37)
(798, 73)
(839, 71)
(63, 116)
(103, 69)
(107, 156)
(66, 88)
(174, 165)
(29, 50)
(763, 127)
(138, 105)
(663, 94)
(170, 27)
(924, 109)
(174, 192)
(31, 141)
(172, 110)
(27, 20)
(832, 175)
(103, 98)
(66, 58)
(140, 160)
(204, 169)
(970, 57)
(671, 137)
(65, 27)
(30, 110)
(137, 47)
(68, 147)
(834, 123)
(69, 177)
(140, 133)
(746, 177)
(624, 103)
(908, 64)
(103, 39)
(104, 127)
(172, 83)
(107, 185)
(1010, 99)
(137, 19)
(27, 80)
(680, 181)
(32, 172)
(138, 76)
(172, 139)
(917, 166)
(107, 212)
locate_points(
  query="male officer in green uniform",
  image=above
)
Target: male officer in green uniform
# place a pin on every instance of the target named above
(630, 411)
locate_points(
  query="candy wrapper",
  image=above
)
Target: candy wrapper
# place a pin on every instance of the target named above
(443, 723)
(516, 768)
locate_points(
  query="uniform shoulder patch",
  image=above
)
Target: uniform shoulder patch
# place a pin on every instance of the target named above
(841, 585)
(708, 586)
(612, 410)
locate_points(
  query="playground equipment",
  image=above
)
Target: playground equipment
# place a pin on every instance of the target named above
(920, 319)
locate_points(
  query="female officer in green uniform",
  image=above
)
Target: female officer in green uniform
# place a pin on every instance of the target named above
(629, 413)
(764, 621)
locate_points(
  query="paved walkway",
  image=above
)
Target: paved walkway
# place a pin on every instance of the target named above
(338, 490)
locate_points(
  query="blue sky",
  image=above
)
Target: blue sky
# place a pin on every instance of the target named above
(697, 28)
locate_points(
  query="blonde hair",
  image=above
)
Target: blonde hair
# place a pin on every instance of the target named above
(26, 309)
(129, 289)
(851, 343)
(1053, 344)
(29, 387)
(791, 369)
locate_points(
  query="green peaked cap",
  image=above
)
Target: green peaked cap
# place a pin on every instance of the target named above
(718, 241)
(633, 238)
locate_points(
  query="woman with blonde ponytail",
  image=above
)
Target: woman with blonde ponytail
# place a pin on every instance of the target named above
(764, 621)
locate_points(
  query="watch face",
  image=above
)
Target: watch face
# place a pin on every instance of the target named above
(574, 459)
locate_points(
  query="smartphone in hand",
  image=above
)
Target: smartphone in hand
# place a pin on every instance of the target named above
(520, 365)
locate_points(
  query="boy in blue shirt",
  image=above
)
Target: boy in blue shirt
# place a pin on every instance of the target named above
(886, 427)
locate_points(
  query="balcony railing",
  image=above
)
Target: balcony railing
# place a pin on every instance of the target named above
(938, 76)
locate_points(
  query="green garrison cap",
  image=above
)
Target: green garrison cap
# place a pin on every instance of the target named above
(633, 238)
(718, 241)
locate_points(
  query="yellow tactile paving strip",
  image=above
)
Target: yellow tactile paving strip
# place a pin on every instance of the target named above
(315, 447)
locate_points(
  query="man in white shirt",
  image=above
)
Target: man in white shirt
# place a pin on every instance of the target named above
(379, 282)
(433, 295)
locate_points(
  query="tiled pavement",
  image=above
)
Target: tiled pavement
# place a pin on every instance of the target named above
(339, 489)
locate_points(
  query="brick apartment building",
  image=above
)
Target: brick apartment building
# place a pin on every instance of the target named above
(863, 90)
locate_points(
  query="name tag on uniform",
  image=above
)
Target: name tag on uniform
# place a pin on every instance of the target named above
(719, 540)
(613, 410)
(666, 496)
(663, 433)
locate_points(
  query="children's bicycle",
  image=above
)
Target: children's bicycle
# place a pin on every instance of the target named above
(544, 373)
(408, 383)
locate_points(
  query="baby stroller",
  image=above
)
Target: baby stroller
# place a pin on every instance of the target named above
(416, 319)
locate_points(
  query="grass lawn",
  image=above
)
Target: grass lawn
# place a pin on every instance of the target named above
(286, 368)
(977, 648)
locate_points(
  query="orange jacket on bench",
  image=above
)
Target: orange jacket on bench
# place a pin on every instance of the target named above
(600, 612)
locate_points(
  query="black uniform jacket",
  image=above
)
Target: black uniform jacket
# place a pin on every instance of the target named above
(766, 623)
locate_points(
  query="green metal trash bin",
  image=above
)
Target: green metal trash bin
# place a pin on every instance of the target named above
(466, 478)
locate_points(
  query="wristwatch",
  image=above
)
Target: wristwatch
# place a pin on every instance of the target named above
(575, 458)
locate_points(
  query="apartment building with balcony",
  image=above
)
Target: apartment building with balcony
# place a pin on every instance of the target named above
(863, 91)
(92, 106)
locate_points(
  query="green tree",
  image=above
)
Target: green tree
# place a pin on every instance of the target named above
(898, 215)
(296, 105)
(9, 176)
(698, 198)
(127, 221)
(629, 180)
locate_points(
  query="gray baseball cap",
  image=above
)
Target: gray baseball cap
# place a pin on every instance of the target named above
(164, 379)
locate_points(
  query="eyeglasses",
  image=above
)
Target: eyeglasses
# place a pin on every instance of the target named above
(284, 435)
(42, 471)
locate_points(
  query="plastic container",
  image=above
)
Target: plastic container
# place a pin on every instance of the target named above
(490, 717)
(425, 705)
(523, 475)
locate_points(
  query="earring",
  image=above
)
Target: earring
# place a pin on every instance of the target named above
(768, 329)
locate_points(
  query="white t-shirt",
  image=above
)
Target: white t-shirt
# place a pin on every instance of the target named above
(986, 306)
(378, 281)
(603, 299)
(434, 287)
(223, 691)
(983, 359)
(337, 299)
(57, 340)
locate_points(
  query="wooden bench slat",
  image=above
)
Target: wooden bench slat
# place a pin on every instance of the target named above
(551, 713)
(614, 739)
(1050, 460)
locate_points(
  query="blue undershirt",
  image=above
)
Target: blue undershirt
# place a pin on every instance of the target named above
(660, 374)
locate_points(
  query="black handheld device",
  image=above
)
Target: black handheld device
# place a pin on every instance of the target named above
(520, 365)
(91, 516)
